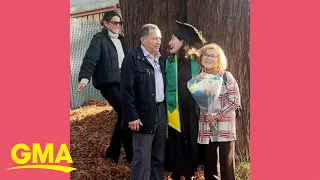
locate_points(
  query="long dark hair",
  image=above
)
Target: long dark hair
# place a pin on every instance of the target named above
(187, 50)
(108, 16)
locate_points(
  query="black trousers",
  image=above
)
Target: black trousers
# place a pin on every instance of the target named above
(111, 93)
(226, 157)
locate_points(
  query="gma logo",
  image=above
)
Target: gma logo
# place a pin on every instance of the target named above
(46, 157)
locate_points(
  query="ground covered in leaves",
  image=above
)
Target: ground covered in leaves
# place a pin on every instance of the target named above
(91, 128)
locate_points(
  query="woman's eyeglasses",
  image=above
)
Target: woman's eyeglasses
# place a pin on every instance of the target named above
(115, 23)
(213, 56)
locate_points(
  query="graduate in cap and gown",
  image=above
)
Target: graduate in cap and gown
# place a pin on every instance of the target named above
(182, 150)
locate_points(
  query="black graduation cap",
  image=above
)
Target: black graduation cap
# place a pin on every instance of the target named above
(190, 34)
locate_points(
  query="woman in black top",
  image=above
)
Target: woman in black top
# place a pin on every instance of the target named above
(102, 62)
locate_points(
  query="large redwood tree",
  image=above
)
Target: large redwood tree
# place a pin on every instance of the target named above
(225, 22)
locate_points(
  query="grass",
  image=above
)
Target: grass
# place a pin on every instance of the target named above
(242, 169)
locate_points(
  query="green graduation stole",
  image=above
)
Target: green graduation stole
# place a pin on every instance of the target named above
(172, 89)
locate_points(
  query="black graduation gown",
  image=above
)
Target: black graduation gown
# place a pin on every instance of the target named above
(182, 149)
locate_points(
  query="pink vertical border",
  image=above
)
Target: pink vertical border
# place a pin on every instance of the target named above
(284, 60)
(34, 71)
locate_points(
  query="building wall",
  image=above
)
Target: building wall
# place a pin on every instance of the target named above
(94, 14)
(92, 9)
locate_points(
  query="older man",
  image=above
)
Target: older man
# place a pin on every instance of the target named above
(142, 94)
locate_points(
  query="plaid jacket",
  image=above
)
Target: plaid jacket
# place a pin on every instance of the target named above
(225, 107)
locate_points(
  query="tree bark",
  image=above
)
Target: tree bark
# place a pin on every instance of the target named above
(225, 22)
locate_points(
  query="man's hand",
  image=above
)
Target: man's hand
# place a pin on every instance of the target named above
(134, 125)
(81, 86)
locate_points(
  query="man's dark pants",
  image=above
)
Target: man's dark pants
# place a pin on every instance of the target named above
(149, 150)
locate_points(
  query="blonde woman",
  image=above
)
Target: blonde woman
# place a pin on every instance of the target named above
(213, 61)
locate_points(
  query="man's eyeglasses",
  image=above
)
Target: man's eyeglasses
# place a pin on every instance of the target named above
(213, 56)
(115, 23)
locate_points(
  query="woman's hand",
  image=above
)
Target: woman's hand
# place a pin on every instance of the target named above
(80, 87)
(209, 118)
(212, 119)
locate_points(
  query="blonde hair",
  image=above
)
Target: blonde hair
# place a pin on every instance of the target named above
(222, 63)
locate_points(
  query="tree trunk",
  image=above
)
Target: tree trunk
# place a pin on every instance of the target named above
(136, 13)
(225, 22)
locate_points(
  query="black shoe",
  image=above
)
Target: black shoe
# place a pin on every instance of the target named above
(175, 176)
(110, 160)
(129, 160)
(188, 178)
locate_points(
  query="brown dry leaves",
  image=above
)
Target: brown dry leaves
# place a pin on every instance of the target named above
(91, 128)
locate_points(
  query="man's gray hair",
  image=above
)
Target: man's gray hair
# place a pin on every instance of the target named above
(144, 31)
